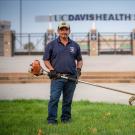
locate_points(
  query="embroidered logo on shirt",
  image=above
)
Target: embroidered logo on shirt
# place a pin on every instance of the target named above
(72, 50)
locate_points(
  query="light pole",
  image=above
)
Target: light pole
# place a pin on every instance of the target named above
(21, 23)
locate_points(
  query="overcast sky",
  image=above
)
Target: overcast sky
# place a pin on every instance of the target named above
(10, 10)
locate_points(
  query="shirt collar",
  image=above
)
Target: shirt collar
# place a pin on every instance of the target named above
(69, 40)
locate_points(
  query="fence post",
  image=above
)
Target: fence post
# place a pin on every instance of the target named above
(45, 40)
(94, 43)
(29, 41)
(8, 43)
(13, 42)
(50, 35)
(133, 41)
(88, 43)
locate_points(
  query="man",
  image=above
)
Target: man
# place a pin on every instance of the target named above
(62, 57)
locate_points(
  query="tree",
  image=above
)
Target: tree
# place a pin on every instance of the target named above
(29, 46)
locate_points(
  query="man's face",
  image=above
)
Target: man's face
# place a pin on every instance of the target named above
(64, 32)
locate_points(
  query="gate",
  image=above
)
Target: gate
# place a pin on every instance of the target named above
(83, 39)
(108, 43)
(1, 44)
(28, 44)
(31, 43)
(115, 43)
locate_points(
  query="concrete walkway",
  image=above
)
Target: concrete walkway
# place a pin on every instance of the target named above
(91, 63)
(83, 92)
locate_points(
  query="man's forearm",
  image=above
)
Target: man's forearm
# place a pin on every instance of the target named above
(79, 64)
(48, 65)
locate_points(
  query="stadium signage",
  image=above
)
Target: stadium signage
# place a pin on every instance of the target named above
(95, 17)
(88, 17)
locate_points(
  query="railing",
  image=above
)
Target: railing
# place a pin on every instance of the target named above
(108, 43)
(115, 43)
(1, 44)
(28, 44)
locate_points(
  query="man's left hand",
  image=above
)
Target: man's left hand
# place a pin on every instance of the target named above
(78, 72)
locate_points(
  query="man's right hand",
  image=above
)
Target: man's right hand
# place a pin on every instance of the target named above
(52, 74)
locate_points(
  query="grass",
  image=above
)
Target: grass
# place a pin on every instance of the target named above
(26, 117)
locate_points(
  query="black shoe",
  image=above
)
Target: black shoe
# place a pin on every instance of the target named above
(66, 121)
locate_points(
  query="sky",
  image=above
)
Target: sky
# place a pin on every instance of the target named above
(10, 10)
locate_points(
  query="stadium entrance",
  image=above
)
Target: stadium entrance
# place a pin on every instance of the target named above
(115, 43)
(104, 43)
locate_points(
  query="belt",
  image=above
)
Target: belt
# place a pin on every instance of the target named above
(67, 75)
(64, 74)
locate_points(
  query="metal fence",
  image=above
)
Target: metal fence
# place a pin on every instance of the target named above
(83, 39)
(115, 43)
(108, 43)
(1, 44)
(29, 43)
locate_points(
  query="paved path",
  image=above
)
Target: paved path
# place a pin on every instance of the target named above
(83, 92)
(91, 63)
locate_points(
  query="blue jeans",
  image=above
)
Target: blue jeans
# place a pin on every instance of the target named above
(67, 88)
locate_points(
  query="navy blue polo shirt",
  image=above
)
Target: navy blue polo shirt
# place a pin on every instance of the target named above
(63, 58)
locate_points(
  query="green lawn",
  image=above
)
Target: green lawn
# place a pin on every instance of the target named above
(26, 117)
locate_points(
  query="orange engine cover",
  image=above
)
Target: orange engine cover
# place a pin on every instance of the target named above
(36, 68)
